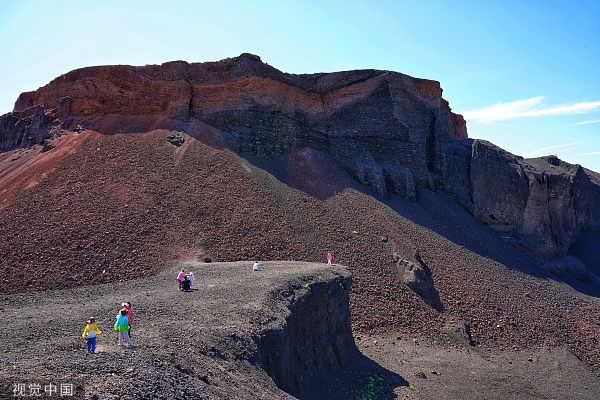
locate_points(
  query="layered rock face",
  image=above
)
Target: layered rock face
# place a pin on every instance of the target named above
(385, 128)
(546, 202)
(393, 133)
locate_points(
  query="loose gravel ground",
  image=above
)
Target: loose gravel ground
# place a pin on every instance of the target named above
(186, 345)
(440, 372)
(117, 207)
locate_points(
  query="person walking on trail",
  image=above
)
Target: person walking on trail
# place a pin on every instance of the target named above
(127, 306)
(329, 257)
(122, 326)
(89, 334)
(186, 285)
(180, 277)
(256, 266)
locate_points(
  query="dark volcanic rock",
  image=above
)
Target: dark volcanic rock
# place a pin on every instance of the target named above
(414, 274)
(176, 139)
(24, 129)
(548, 203)
(316, 340)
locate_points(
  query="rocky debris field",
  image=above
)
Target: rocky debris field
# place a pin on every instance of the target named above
(202, 344)
(110, 208)
(211, 343)
(110, 175)
(441, 372)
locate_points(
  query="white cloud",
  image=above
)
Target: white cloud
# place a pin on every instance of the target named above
(531, 107)
(544, 150)
(591, 153)
(588, 122)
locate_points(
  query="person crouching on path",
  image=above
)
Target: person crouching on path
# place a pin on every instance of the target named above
(256, 266)
(180, 277)
(121, 326)
(186, 285)
(89, 334)
(127, 306)
(329, 257)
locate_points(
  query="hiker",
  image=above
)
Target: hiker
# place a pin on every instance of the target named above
(329, 257)
(192, 279)
(122, 326)
(89, 334)
(256, 266)
(127, 306)
(186, 284)
(180, 277)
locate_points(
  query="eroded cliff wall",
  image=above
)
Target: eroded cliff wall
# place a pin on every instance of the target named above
(393, 133)
(315, 342)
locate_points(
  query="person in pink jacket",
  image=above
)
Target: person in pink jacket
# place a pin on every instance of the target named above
(181, 277)
(329, 257)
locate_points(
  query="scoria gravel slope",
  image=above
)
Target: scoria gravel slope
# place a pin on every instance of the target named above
(116, 207)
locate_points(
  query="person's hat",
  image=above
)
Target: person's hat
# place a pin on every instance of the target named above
(92, 319)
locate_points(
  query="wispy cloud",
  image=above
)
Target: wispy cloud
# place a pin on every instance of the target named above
(591, 153)
(544, 150)
(531, 107)
(588, 122)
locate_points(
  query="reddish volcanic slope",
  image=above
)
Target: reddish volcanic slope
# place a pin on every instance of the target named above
(100, 208)
(110, 173)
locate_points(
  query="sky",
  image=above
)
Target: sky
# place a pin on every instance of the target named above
(524, 73)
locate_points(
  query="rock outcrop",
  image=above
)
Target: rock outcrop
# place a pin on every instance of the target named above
(393, 133)
(385, 128)
(414, 274)
(25, 129)
(316, 340)
(544, 202)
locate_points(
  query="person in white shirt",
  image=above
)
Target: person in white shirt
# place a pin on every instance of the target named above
(256, 266)
(192, 279)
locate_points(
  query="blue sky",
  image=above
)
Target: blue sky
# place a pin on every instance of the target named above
(525, 73)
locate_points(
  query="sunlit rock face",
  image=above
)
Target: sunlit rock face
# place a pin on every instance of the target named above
(392, 133)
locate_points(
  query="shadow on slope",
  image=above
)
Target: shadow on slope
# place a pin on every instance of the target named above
(318, 175)
(308, 170)
(366, 380)
(444, 216)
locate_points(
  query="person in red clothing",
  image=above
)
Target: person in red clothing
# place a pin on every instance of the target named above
(329, 257)
(127, 306)
(180, 276)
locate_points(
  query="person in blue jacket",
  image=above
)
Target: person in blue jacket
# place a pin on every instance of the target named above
(122, 326)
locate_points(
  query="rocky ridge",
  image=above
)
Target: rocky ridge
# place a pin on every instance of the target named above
(393, 133)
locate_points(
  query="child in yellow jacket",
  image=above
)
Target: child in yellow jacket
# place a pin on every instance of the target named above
(89, 334)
